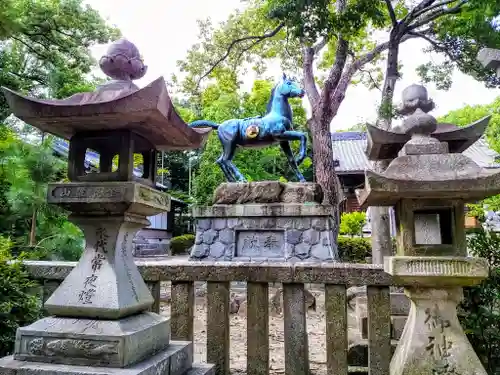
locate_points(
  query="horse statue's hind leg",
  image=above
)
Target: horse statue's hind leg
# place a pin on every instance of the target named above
(285, 139)
(230, 171)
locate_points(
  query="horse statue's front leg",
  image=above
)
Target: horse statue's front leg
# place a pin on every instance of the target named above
(303, 147)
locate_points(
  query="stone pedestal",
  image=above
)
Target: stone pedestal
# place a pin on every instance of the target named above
(433, 342)
(290, 226)
(100, 323)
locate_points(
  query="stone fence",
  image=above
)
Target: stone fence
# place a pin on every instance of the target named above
(336, 278)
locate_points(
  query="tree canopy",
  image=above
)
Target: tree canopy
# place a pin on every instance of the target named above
(333, 44)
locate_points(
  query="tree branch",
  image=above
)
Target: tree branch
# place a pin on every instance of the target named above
(321, 44)
(374, 82)
(411, 15)
(257, 39)
(392, 14)
(436, 14)
(433, 43)
(432, 7)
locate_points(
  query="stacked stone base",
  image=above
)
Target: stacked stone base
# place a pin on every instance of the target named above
(137, 345)
(264, 232)
(265, 221)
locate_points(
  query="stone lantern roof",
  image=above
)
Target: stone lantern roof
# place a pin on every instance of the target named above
(118, 104)
(428, 163)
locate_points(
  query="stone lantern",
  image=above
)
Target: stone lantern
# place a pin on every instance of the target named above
(428, 183)
(100, 317)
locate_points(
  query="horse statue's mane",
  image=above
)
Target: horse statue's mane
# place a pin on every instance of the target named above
(288, 109)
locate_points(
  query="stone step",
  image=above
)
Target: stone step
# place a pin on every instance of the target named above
(201, 369)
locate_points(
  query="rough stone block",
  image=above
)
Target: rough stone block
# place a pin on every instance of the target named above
(86, 342)
(175, 360)
(397, 326)
(267, 192)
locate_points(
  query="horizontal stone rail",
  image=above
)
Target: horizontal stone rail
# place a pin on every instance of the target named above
(336, 278)
(171, 270)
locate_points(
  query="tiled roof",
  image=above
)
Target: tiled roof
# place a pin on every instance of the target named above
(349, 151)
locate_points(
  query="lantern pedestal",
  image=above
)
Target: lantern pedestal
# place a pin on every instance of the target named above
(433, 342)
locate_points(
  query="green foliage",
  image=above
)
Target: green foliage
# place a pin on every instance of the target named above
(45, 46)
(460, 36)
(354, 249)
(313, 19)
(480, 309)
(39, 229)
(18, 305)
(181, 244)
(351, 223)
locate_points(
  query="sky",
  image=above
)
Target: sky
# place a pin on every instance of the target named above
(164, 31)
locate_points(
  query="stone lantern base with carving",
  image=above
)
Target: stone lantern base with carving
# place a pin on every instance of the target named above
(428, 182)
(100, 322)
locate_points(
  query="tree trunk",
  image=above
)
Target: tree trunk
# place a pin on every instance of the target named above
(380, 218)
(324, 167)
(33, 228)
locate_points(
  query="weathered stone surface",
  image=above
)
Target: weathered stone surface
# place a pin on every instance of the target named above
(265, 244)
(107, 266)
(209, 236)
(198, 239)
(311, 236)
(303, 224)
(267, 192)
(274, 210)
(302, 193)
(108, 343)
(217, 250)
(204, 224)
(248, 192)
(226, 236)
(433, 338)
(294, 237)
(437, 271)
(324, 252)
(302, 250)
(108, 197)
(233, 232)
(174, 360)
(218, 224)
(200, 251)
(271, 272)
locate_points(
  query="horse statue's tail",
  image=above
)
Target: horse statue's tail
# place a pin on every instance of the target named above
(203, 124)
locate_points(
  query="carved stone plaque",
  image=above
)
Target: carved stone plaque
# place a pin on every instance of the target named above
(94, 192)
(427, 229)
(257, 244)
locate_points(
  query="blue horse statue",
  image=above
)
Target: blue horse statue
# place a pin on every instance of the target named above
(274, 127)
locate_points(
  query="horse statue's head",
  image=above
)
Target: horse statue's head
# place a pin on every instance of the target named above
(289, 88)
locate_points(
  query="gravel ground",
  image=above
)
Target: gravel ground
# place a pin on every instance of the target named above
(315, 326)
